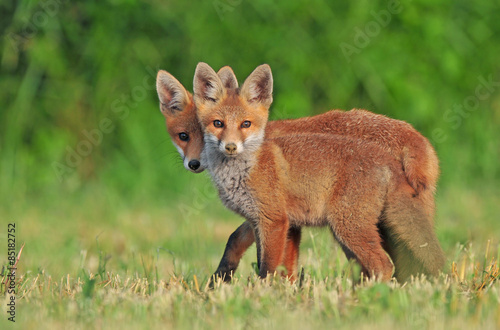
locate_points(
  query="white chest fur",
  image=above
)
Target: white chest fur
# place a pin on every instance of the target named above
(230, 175)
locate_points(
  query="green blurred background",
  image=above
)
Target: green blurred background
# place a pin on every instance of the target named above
(69, 69)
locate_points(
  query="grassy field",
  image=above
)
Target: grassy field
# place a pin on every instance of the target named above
(118, 264)
(465, 298)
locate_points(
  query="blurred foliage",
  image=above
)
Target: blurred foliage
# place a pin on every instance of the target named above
(68, 68)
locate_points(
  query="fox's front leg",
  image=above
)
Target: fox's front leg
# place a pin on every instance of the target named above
(291, 257)
(239, 241)
(271, 236)
(242, 238)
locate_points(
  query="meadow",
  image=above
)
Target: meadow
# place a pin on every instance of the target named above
(117, 234)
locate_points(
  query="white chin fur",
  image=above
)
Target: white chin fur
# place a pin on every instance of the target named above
(254, 141)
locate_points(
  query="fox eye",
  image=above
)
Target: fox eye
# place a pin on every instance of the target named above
(183, 136)
(246, 124)
(218, 124)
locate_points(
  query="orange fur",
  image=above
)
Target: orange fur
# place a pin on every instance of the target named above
(403, 142)
(351, 185)
(400, 139)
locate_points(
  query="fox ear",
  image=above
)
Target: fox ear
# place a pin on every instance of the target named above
(258, 87)
(173, 96)
(207, 86)
(228, 77)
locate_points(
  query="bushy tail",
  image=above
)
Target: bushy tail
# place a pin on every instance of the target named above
(421, 165)
(409, 238)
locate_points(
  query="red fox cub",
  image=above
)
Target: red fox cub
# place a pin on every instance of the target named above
(279, 184)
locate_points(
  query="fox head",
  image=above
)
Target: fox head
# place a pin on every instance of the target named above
(233, 119)
(177, 105)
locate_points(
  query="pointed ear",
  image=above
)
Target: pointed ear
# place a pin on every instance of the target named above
(227, 77)
(258, 87)
(173, 96)
(207, 86)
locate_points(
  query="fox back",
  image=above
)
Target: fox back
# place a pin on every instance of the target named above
(400, 139)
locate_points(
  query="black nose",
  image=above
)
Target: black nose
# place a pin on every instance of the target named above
(194, 164)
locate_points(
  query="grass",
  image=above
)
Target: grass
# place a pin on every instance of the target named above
(95, 262)
(465, 297)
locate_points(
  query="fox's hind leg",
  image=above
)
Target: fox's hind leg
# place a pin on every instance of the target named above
(360, 239)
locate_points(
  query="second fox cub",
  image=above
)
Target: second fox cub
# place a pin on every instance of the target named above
(282, 183)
